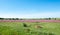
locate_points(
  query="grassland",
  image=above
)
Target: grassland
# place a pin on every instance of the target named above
(17, 28)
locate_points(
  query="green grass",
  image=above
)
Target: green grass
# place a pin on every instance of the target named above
(17, 28)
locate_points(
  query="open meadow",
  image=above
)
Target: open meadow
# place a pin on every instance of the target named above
(29, 28)
(29, 17)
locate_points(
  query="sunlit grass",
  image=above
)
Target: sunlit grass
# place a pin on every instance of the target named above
(17, 28)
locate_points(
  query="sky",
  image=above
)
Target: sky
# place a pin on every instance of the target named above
(30, 8)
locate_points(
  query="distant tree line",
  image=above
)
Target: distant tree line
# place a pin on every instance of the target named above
(30, 19)
(10, 19)
(1, 18)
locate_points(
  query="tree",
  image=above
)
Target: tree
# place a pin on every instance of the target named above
(55, 18)
(1, 18)
(49, 18)
(17, 18)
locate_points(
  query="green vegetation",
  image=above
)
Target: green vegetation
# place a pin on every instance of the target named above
(18, 28)
(30, 18)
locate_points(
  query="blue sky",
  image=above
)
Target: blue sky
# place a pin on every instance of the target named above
(29, 8)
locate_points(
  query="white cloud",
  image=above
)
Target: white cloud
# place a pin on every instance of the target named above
(34, 15)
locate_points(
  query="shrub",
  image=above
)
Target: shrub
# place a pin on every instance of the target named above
(25, 25)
